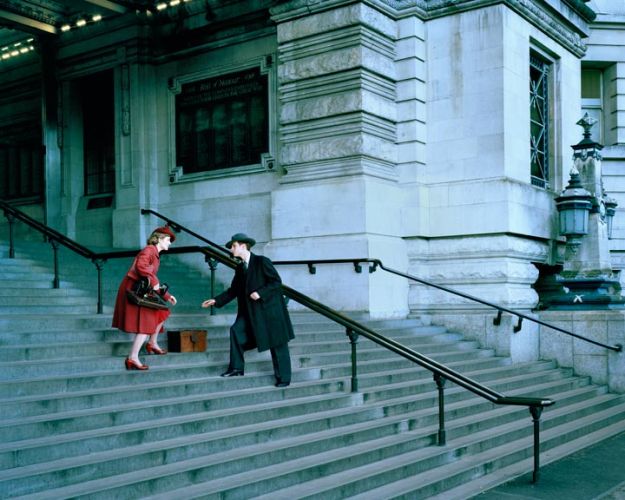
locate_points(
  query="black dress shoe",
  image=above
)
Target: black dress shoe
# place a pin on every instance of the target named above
(283, 384)
(233, 373)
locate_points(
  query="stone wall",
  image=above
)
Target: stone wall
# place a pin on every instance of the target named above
(602, 365)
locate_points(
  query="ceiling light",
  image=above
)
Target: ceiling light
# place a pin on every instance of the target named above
(173, 3)
(161, 6)
(80, 23)
(96, 18)
(66, 27)
(16, 49)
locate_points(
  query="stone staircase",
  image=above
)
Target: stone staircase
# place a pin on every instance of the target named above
(75, 424)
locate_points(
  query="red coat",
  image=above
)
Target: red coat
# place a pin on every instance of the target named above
(129, 317)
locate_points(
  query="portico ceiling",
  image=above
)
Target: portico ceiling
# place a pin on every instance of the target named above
(23, 20)
(46, 17)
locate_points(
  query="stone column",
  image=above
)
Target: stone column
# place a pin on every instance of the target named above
(339, 197)
(138, 173)
(49, 114)
(615, 104)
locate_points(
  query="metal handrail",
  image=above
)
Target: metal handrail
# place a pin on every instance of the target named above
(311, 263)
(12, 213)
(441, 373)
(216, 253)
(55, 238)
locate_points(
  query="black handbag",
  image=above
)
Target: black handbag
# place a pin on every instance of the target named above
(143, 295)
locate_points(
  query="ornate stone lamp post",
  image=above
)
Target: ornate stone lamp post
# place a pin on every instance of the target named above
(574, 205)
(585, 216)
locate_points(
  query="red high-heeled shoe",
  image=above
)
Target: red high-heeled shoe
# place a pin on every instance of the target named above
(133, 365)
(150, 349)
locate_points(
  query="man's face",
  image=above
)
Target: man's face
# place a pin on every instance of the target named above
(238, 249)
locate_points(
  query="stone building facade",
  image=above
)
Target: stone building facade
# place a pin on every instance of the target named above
(431, 134)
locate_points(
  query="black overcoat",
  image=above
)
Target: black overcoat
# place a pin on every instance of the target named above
(268, 317)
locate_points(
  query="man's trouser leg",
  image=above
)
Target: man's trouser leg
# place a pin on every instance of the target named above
(237, 340)
(281, 363)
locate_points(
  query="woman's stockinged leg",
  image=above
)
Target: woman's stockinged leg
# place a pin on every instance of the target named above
(153, 347)
(140, 338)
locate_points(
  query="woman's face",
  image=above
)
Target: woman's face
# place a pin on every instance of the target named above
(163, 243)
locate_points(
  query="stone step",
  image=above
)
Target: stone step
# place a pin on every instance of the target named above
(43, 292)
(21, 310)
(9, 305)
(470, 408)
(58, 322)
(457, 463)
(517, 469)
(45, 282)
(28, 452)
(38, 366)
(76, 424)
(196, 366)
(267, 469)
(219, 349)
(506, 378)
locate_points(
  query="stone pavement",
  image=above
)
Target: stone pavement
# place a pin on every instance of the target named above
(595, 473)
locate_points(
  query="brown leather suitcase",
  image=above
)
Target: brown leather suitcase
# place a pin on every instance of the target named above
(186, 340)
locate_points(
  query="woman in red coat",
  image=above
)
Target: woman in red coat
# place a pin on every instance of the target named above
(143, 322)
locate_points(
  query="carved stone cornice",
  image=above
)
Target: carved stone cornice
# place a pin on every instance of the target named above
(568, 32)
(551, 25)
(562, 30)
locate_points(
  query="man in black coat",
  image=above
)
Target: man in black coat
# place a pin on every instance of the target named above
(262, 321)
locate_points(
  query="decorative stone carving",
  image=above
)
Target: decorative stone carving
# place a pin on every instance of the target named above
(125, 98)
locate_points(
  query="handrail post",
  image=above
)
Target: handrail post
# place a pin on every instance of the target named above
(212, 264)
(440, 384)
(55, 248)
(11, 220)
(353, 339)
(99, 264)
(536, 411)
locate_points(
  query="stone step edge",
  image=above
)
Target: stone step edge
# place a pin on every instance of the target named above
(434, 475)
(275, 470)
(175, 401)
(535, 367)
(481, 353)
(343, 346)
(507, 473)
(208, 364)
(380, 408)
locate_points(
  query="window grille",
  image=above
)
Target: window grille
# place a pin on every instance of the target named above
(539, 121)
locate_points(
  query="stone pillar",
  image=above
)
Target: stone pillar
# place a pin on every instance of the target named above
(138, 175)
(615, 104)
(50, 122)
(339, 197)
